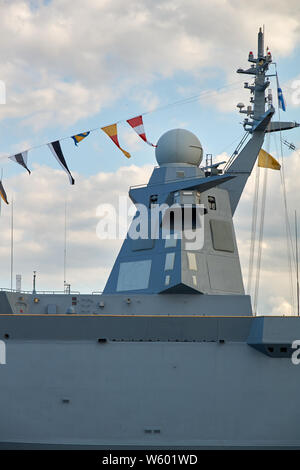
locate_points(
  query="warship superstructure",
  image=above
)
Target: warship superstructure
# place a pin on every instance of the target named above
(170, 355)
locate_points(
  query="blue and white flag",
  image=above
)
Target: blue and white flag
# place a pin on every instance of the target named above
(281, 101)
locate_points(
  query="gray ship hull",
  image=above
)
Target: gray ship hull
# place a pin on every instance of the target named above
(139, 382)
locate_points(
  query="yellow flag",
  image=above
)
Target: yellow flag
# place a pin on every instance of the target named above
(112, 132)
(3, 193)
(265, 160)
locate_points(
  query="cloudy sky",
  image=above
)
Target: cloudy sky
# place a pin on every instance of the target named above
(70, 66)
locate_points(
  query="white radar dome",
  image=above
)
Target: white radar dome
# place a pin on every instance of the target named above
(179, 146)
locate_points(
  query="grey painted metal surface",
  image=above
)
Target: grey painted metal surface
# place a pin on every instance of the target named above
(126, 328)
(274, 336)
(5, 306)
(132, 394)
(157, 304)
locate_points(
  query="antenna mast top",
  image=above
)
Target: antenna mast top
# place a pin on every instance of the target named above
(260, 66)
(257, 121)
(260, 49)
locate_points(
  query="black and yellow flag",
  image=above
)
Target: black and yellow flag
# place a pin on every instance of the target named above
(3, 193)
(265, 160)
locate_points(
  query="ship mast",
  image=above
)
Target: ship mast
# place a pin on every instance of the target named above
(259, 68)
(261, 83)
(257, 122)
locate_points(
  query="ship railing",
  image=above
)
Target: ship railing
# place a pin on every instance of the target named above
(72, 292)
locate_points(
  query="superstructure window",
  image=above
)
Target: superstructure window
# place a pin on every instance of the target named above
(153, 199)
(192, 263)
(169, 263)
(212, 203)
(222, 235)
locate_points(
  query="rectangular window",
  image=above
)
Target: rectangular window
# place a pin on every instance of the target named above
(169, 264)
(171, 242)
(212, 203)
(134, 275)
(222, 235)
(192, 263)
(142, 244)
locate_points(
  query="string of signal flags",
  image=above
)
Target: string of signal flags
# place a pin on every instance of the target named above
(111, 131)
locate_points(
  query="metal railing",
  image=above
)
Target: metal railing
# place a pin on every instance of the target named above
(40, 292)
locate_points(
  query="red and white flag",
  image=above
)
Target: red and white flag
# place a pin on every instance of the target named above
(137, 124)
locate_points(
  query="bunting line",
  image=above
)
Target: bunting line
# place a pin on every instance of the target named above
(188, 100)
(136, 123)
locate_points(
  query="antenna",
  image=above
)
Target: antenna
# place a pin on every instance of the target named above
(65, 247)
(260, 51)
(34, 283)
(208, 159)
(297, 261)
(260, 65)
(289, 144)
(12, 245)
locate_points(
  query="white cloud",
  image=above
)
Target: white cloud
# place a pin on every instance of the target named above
(67, 59)
(280, 306)
(131, 139)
